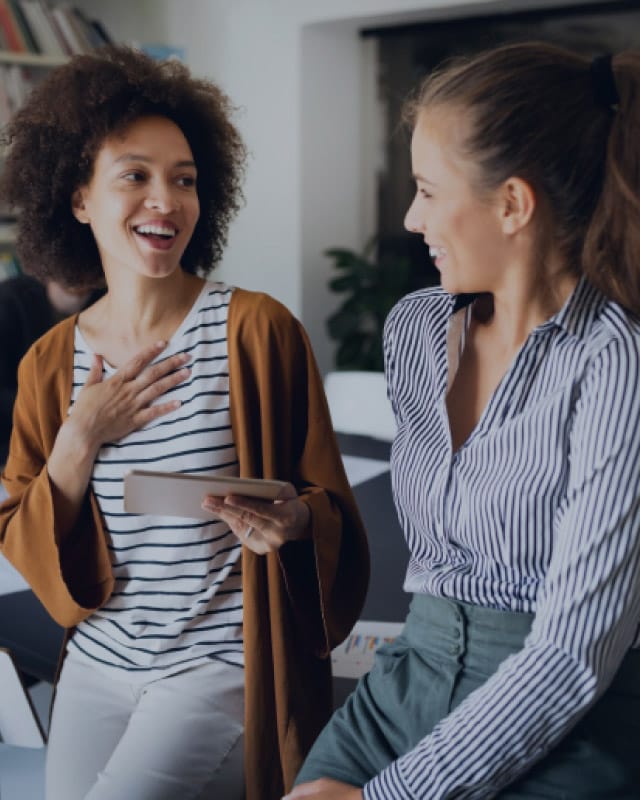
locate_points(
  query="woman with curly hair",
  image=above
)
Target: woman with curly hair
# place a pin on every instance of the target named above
(196, 649)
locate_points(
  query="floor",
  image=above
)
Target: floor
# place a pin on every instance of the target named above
(22, 768)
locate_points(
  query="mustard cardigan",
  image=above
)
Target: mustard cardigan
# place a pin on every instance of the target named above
(299, 603)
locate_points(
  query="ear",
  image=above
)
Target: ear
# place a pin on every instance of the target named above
(517, 205)
(78, 206)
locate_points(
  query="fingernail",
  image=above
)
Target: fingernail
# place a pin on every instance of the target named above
(161, 343)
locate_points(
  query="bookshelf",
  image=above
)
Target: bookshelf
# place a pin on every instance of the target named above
(35, 36)
(31, 59)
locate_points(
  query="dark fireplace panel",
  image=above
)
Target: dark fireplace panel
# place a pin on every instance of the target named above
(408, 53)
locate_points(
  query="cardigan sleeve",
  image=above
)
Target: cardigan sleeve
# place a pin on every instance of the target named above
(71, 575)
(283, 430)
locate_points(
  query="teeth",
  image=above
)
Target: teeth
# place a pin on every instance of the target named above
(437, 252)
(157, 230)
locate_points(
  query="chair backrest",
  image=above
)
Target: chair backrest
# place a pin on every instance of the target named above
(358, 404)
(19, 723)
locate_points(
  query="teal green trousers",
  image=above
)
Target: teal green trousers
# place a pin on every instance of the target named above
(446, 651)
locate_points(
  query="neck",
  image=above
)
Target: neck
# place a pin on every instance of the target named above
(536, 284)
(515, 310)
(139, 312)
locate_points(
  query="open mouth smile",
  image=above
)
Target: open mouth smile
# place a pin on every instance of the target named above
(163, 231)
(158, 236)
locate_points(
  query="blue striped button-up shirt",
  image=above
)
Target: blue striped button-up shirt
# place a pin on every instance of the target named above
(538, 511)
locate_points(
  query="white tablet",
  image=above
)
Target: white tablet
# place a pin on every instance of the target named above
(176, 494)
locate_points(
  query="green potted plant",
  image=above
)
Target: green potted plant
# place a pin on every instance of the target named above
(372, 284)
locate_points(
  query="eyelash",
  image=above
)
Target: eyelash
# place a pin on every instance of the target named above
(188, 181)
(134, 176)
(425, 194)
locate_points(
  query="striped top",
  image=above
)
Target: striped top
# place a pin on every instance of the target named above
(538, 511)
(178, 594)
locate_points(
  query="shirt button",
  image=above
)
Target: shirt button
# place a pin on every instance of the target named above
(457, 633)
(454, 649)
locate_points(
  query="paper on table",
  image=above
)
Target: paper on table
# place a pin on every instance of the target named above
(355, 656)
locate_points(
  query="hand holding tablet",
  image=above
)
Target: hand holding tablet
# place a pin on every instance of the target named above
(178, 494)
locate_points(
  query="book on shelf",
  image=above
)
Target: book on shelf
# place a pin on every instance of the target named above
(35, 26)
(68, 31)
(42, 28)
(101, 33)
(93, 29)
(77, 32)
(72, 33)
(11, 34)
(21, 21)
(58, 31)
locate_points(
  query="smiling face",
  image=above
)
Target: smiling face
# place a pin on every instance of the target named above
(141, 202)
(463, 230)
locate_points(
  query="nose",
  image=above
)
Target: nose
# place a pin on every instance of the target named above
(413, 220)
(162, 198)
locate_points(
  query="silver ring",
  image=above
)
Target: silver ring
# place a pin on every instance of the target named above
(248, 532)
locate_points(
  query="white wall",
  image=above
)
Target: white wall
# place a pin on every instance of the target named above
(295, 68)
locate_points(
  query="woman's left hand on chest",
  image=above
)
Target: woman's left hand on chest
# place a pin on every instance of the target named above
(263, 526)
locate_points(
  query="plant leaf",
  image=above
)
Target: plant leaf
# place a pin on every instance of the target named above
(345, 283)
(341, 325)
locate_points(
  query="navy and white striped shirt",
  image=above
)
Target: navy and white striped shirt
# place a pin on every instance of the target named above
(538, 511)
(177, 600)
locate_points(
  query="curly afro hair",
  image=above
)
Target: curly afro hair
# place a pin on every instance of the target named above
(54, 138)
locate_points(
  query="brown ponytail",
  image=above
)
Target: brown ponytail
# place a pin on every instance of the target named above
(611, 254)
(534, 112)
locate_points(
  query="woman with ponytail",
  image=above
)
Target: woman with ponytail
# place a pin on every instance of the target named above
(515, 466)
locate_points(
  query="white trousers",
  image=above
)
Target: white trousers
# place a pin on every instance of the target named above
(173, 738)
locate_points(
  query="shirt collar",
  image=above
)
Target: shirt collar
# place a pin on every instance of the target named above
(459, 301)
(576, 316)
(579, 311)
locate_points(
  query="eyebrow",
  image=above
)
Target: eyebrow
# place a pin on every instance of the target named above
(418, 177)
(147, 160)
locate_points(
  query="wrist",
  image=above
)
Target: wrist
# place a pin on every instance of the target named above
(69, 466)
(77, 444)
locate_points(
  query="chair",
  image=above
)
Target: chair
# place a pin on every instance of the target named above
(19, 722)
(358, 404)
(365, 426)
